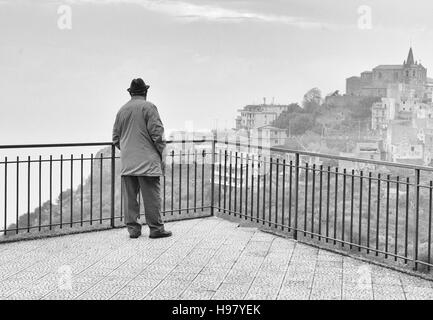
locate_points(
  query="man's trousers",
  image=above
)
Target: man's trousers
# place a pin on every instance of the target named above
(151, 193)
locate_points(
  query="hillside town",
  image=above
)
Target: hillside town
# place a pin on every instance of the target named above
(385, 114)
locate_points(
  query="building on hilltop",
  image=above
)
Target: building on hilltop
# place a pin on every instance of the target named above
(255, 116)
(376, 82)
(272, 135)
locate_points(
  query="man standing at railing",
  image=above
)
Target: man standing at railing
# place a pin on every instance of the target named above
(139, 134)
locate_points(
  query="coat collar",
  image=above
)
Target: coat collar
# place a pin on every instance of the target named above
(137, 98)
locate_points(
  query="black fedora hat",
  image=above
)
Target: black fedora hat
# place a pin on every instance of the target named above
(138, 86)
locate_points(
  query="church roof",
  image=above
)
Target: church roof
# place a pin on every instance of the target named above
(410, 59)
(389, 66)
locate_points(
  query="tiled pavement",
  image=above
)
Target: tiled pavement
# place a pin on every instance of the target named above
(205, 259)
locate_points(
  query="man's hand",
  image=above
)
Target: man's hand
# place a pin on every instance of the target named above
(163, 161)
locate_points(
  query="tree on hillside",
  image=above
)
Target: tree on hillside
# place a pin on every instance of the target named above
(312, 100)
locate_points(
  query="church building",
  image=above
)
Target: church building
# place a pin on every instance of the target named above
(375, 83)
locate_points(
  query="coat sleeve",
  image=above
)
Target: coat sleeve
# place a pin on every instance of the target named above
(116, 132)
(156, 130)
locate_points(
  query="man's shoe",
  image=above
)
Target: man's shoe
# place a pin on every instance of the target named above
(134, 235)
(160, 234)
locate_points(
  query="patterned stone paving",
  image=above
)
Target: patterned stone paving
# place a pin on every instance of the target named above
(205, 259)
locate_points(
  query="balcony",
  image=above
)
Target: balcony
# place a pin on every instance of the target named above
(249, 222)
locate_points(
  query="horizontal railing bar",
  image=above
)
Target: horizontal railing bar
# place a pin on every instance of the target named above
(55, 145)
(85, 144)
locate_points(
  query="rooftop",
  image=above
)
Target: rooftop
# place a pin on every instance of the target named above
(208, 258)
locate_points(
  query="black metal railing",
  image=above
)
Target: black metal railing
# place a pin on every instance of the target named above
(380, 209)
(374, 207)
(46, 191)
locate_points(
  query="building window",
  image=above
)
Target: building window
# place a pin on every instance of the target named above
(412, 149)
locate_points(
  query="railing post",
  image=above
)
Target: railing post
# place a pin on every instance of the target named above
(113, 182)
(295, 234)
(417, 182)
(212, 204)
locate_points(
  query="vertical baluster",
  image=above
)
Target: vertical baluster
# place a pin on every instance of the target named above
(397, 186)
(225, 180)
(230, 182)
(417, 190)
(406, 231)
(121, 201)
(219, 181)
(335, 205)
(429, 224)
(328, 196)
(343, 209)
(297, 163)
(236, 183)
(270, 192)
(100, 187)
(259, 169)
(180, 183)
(164, 195)
(283, 196)
(276, 190)
(351, 206)
(306, 199)
(28, 193)
(290, 195)
(195, 180)
(91, 190)
(187, 181)
(264, 192)
(81, 189)
(172, 182)
(17, 198)
(241, 186)
(320, 200)
(369, 211)
(378, 214)
(246, 185)
(72, 190)
(313, 193)
(51, 191)
(388, 177)
(40, 194)
(6, 197)
(61, 191)
(252, 189)
(202, 178)
(361, 174)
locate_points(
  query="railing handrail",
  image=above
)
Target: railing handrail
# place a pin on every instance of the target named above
(84, 144)
(330, 156)
(55, 145)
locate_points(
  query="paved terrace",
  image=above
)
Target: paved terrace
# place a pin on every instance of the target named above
(205, 259)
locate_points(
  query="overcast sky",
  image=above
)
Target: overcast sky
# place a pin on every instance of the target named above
(203, 59)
